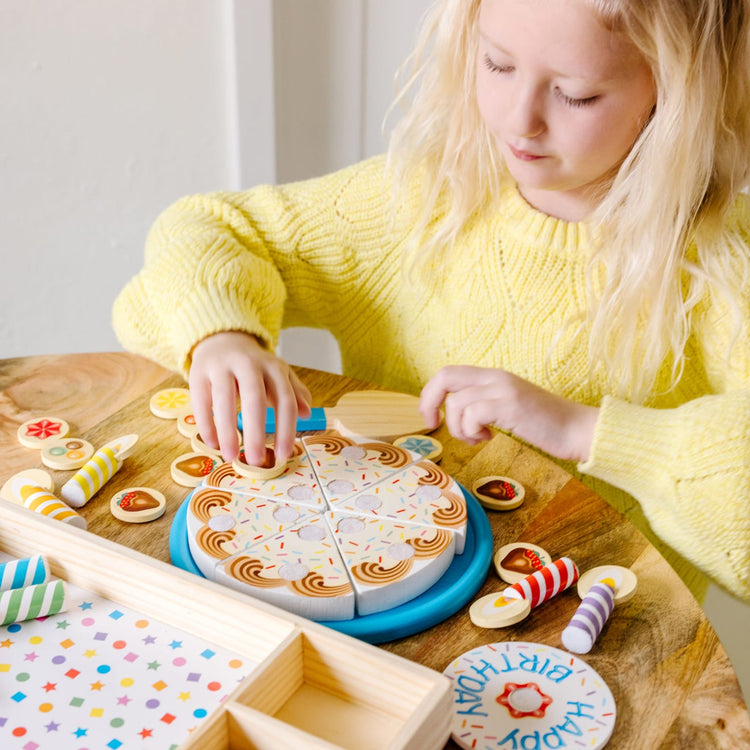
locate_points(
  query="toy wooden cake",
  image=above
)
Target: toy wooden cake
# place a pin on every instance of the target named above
(347, 528)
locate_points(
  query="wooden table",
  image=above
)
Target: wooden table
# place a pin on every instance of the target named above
(671, 678)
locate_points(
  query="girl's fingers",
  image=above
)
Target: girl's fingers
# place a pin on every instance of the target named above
(201, 402)
(224, 390)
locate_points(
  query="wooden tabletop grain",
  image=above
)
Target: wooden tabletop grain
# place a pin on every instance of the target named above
(671, 678)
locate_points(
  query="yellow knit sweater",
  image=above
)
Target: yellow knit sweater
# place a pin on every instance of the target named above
(324, 253)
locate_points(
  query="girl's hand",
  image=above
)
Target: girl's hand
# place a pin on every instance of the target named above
(231, 364)
(476, 398)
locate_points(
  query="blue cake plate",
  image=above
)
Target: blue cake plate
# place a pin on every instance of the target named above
(457, 586)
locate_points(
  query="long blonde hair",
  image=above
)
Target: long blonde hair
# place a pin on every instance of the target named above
(663, 241)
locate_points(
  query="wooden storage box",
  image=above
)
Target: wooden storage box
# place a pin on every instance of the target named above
(312, 688)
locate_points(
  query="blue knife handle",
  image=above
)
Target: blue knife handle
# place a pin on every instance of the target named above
(316, 421)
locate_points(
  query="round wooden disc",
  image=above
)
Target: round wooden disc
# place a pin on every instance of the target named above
(526, 692)
(190, 469)
(625, 581)
(498, 493)
(170, 403)
(495, 611)
(259, 472)
(197, 444)
(66, 453)
(36, 432)
(425, 445)
(138, 504)
(513, 562)
(186, 424)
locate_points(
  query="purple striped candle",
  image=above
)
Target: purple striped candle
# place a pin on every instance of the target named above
(589, 619)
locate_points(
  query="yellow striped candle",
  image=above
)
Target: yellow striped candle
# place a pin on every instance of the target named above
(91, 477)
(44, 502)
(39, 600)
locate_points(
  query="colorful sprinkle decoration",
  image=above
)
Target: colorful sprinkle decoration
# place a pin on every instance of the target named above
(100, 676)
(528, 695)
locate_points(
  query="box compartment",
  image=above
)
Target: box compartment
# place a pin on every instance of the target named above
(312, 688)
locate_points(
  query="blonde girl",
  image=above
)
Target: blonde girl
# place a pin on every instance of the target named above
(556, 246)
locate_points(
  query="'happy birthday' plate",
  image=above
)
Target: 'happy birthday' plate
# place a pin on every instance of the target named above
(528, 695)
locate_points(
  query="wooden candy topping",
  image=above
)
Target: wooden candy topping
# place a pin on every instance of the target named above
(425, 445)
(499, 493)
(138, 504)
(170, 403)
(191, 469)
(267, 470)
(36, 432)
(625, 579)
(515, 561)
(497, 611)
(66, 453)
(528, 695)
(186, 425)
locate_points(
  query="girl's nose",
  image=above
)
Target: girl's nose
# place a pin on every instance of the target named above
(526, 112)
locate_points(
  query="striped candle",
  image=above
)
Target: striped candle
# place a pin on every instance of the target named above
(15, 574)
(91, 477)
(589, 619)
(39, 600)
(43, 501)
(545, 583)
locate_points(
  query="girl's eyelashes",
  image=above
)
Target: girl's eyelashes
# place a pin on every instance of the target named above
(494, 67)
(570, 101)
(573, 102)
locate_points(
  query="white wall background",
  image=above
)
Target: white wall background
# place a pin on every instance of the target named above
(112, 109)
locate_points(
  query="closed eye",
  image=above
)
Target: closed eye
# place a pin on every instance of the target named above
(494, 67)
(573, 102)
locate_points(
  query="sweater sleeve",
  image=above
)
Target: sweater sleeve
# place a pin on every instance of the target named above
(252, 261)
(689, 468)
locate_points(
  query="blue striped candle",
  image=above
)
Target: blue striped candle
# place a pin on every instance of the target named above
(16, 574)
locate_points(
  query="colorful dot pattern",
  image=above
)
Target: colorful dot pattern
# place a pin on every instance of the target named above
(100, 676)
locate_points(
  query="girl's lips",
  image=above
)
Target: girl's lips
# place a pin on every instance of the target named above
(524, 155)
